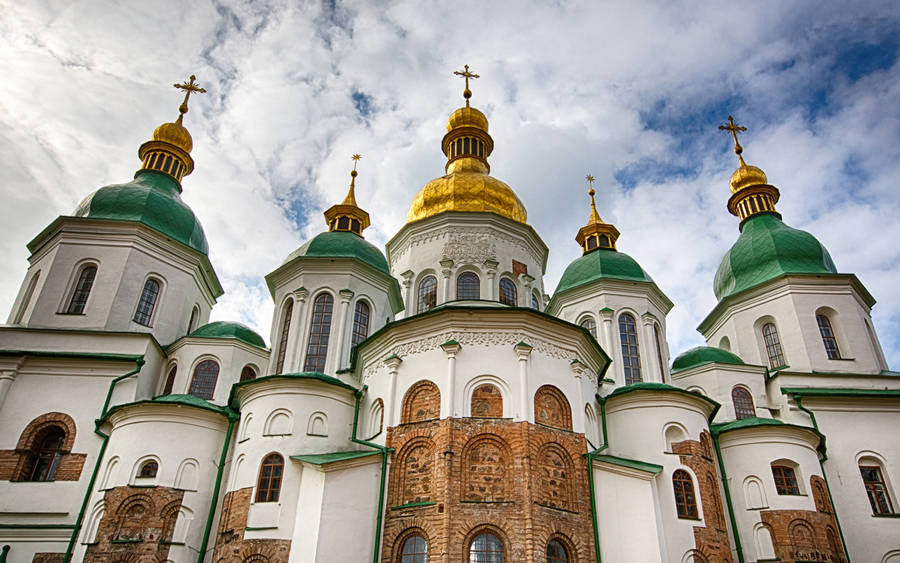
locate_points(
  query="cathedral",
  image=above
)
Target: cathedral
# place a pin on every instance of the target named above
(431, 401)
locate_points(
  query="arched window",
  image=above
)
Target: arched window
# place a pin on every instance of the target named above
(203, 384)
(285, 332)
(195, 318)
(148, 469)
(26, 299)
(876, 489)
(82, 290)
(508, 292)
(590, 325)
(486, 548)
(828, 339)
(44, 458)
(147, 303)
(535, 302)
(319, 330)
(557, 552)
(415, 550)
(785, 480)
(631, 357)
(773, 345)
(743, 402)
(170, 381)
(269, 485)
(685, 501)
(468, 286)
(360, 323)
(427, 298)
(248, 373)
(659, 353)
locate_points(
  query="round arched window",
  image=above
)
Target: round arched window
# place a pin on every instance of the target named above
(415, 550)
(556, 552)
(486, 548)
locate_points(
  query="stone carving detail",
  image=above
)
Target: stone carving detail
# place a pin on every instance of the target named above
(479, 234)
(470, 249)
(485, 338)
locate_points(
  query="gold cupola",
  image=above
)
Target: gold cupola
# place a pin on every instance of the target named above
(596, 234)
(347, 216)
(467, 185)
(751, 194)
(169, 150)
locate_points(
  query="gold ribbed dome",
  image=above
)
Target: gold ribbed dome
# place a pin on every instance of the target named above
(467, 117)
(467, 191)
(174, 134)
(745, 176)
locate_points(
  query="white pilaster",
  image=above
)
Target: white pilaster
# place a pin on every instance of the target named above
(446, 266)
(523, 353)
(295, 335)
(336, 351)
(451, 348)
(407, 294)
(491, 271)
(393, 364)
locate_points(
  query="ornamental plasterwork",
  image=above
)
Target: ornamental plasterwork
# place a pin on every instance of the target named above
(482, 235)
(469, 249)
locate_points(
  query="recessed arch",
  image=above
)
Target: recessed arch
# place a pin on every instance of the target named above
(486, 466)
(26, 297)
(80, 286)
(140, 473)
(317, 425)
(188, 475)
(421, 402)
(249, 372)
(551, 408)
(479, 380)
(287, 313)
(725, 344)
(280, 422)
(110, 474)
(673, 433)
(754, 493)
(486, 542)
(376, 418)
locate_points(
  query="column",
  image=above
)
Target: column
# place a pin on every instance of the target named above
(295, 335)
(407, 293)
(526, 284)
(578, 370)
(451, 348)
(491, 272)
(336, 345)
(523, 353)
(607, 340)
(7, 376)
(446, 266)
(393, 364)
(649, 356)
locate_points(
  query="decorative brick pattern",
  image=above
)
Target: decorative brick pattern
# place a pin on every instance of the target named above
(231, 547)
(551, 408)
(804, 535)
(711, 540)
(421, 402)
(513, 478)
(137, 525)
(487, 402)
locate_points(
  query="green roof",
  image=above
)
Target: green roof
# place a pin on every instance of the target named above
(183, 400)
(632, 463)
(227, 329)
(342, 244)
(765, 250)
(750, 422)
(839, 392)
(153, 199)
(703, 355)
(322, 459)
(601, 264)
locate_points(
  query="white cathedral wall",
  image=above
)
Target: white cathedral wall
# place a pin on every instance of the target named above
(628, 515)
(717, 381)
(231, 355)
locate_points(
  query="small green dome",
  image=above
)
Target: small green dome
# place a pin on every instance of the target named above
(226, 329)
(601, 264)
(765, 250)
(704, 354)
(341, 244)
(153, 199)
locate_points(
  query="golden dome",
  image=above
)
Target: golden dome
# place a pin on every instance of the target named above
(467, 117)
(174, 134)
(467, 191)
(747, 176)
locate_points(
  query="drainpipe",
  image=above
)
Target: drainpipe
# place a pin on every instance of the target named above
(812, 417)
(384, 453)
(3, 553)
(139, 363)
(232, 418)
(734, 528)
(590, 461)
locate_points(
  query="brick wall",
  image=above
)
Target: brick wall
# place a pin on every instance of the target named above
(49, 558)
(551, 408)
(525, 483)
(487, 402)
(15, 464)
(421, 402)
(136, 525)
(804, 535)
(231, 547)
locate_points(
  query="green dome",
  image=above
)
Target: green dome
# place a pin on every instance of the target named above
(767, 249)
(601, 264)
(153, 199)
(341, 244)
(704, 354)
(225, 329)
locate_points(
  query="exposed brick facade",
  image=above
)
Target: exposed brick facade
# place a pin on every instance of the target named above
(524, 483)
(231, 547)
(421, 402)
(710, 540)
(804, 535)
(551, 408)
(137, 524)
(17, 464)
(49, 558)
(487, 401)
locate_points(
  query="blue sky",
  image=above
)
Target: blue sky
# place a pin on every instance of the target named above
(630, 93)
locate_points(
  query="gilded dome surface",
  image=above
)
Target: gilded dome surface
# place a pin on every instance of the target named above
(174, 134)
(747, 176)
(467, 191)
(467, 117)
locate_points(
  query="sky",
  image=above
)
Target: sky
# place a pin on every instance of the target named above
(630, 92)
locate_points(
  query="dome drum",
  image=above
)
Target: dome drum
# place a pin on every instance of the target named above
(759, 198)
(467, 142)
(164, 157)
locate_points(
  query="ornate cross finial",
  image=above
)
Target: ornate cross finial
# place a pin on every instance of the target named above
(595, 217)
(356, 158)
(467, 75)
(590, 180)
(733, 129)
(189, 88)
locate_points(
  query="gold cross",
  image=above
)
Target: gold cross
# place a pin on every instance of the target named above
(467, 75)
(590, 180)
(188, 87)
(738, 149)
(356, 158)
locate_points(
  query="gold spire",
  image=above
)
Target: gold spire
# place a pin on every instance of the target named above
(169, 149)
(751, 193)
(347, 216)
(467, 75)
(596, 234)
